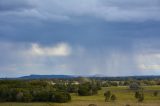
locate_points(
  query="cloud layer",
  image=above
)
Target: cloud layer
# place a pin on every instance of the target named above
(110, 37)
(108, 10)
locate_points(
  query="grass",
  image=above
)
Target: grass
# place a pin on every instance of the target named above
(124, 96)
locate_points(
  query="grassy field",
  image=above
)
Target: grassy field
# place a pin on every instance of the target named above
(124, 96)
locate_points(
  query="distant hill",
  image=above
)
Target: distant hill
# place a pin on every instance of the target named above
(100, 77)
(47, 77)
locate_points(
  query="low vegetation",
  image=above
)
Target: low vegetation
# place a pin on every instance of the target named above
(79, 92)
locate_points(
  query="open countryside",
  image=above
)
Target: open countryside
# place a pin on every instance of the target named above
(125, 95)
(79, 52)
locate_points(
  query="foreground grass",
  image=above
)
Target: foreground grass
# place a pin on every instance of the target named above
(124, 96)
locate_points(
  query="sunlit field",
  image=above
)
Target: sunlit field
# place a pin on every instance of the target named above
(124, 96)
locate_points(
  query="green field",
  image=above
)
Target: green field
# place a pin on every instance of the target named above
(124, 96)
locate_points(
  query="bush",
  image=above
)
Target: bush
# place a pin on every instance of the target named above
(83, 91)
(87, 89)
(61, 97)
(134, 86)
(109, 96)
(113, 97)
(155, 93)
(114, 84)
(127, 104)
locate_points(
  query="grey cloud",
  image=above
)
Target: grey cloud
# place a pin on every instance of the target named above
(18, 62)
(111, 34)
(14, 5)
(108, 10)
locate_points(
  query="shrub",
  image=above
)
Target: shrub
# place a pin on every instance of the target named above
(83, 91)
(113, 97)
(155, 93)
(114, 84)
(134, 86)
(61, 97)
(87, 89)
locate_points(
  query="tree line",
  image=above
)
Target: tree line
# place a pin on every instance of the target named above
(31, 91)
(43, 91)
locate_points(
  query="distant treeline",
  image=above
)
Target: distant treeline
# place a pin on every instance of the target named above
(44, 90)
(128, 78)
(31, 91)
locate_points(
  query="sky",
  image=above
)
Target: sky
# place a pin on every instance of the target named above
(79, 37)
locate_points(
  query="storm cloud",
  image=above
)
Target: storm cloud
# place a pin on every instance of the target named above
(108, 37)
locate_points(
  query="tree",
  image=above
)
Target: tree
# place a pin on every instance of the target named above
(72, 88)
(61, 97)
(83, 90)
(114, 83)
(27, 97)
(19, 97)
(139, 96)
(32, 90)
(134, 86)
(87, 89)
(136, 94)
(42, 96)
(99, 85)
(107, 95)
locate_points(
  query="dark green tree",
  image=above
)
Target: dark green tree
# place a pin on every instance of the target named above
(139, 95)
(107, 95)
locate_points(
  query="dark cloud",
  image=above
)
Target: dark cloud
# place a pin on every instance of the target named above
(14, 5)
(106, 36)
(108, 10)
(96, 34)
